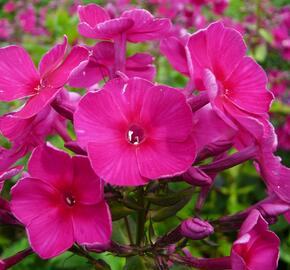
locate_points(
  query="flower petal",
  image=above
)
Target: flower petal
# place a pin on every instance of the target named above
(158, 158)
(31, 197)
(115, 162)
(53, 58)
(51, 166)
(18, 74)
(92, 224)
(51, 233)
(87, 186)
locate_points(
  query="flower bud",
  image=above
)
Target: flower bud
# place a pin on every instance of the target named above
(196, 229)
(197, 177)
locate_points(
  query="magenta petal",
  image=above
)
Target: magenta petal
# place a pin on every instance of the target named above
(247, 87)
(53, 58)
(51, 233)
(92, 224)
(165, 158)
(87, 185)
(18, 74)
(59, 77)
(225, 48)
(129, 96)
(141, 65)
(264, 252)
(106, 30)
(145, 26)
(98, 118)
(51, 165)
(13, 128)
(87, 74)
(32, 197)
(116, 162)
(92, 14)
(38, 102)
(175, 52)
(166, 112)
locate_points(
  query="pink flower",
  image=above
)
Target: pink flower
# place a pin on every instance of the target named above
(5, 29)
(101, 65)
(256, 247)
(134, 131)
(219, 6)
(20, 79)
(26, 134)
(27, 20)
(60, 203)
(138, 24)
(233, 80)
(9, 7)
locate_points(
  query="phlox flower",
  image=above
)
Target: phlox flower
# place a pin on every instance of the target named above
(20, 79)
(138, 24)
(135, 131)
(256, 247)
(60, 202)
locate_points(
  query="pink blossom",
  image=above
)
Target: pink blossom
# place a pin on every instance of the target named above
(20, 79)
(25, 134)
(134, 131)
(101, 65)
(60, 203)
(232, 79)
(256, 247)
(219, 6)
(27, 20)
(138, 24)
(9, 7)
(279, 82)
(5, 29)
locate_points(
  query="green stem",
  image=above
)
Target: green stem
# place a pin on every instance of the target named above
(127, 224)
(140, 218)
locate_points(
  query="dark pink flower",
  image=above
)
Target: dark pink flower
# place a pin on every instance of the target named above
(60, 203)
(138, 24)
(26, 134)
(134, 131)
(256, 247)
(20, 79)
(101, 65)
(9, 7)
(219, 6)
(232, 79)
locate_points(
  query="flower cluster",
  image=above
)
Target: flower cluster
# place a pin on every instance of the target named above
(128, 137)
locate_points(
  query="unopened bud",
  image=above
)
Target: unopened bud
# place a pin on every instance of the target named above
(196, 229)
(197, 177)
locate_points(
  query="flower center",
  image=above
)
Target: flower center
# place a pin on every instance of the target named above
(135, 134)
(70, 200)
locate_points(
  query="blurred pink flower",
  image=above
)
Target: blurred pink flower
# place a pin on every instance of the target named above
(138, 24)
(134, 131)
(283, 134)
(20, 79)
(256, 247)
(27, 19)
(5, 29)
(9, 7)
(61, 202)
